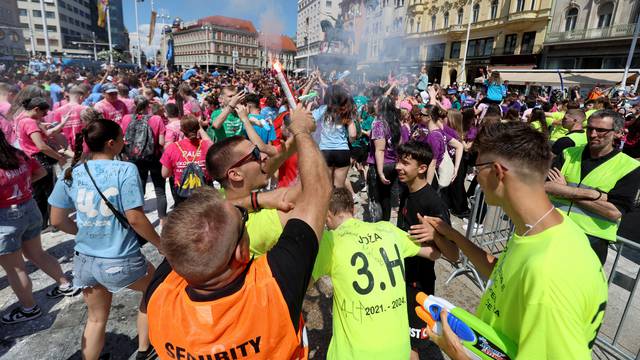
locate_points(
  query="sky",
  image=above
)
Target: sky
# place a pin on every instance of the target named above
(272, 16)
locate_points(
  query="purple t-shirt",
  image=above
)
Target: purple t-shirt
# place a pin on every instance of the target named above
(405, 134)
(471, 134)
(450, 133)
(380, 130)
(437, 140)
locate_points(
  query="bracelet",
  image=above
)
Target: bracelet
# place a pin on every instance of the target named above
(254, 201)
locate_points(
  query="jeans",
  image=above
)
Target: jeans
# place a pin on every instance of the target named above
(18, 223)
(153, 167)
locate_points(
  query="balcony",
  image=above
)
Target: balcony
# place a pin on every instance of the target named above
(528, 15)
(612, 32)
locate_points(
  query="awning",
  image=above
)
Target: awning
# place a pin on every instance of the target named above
(568, 78)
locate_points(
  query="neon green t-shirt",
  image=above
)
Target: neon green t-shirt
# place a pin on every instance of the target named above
(588, 114)
(557, 131)
(264, 229)
(366, 264)
(547, 293)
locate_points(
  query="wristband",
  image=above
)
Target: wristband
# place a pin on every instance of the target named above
(254, 201)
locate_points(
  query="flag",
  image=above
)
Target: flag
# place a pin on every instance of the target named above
(152, 25)
(170, 49)
(102, 12)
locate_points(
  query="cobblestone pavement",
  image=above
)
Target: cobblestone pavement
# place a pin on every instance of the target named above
(57, 333)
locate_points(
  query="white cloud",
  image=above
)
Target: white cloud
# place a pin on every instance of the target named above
(143, 30)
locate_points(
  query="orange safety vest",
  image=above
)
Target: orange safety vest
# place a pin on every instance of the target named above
(252, 323)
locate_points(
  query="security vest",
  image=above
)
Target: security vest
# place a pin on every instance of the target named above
(603, 178)
(579, 138)
(252, 323)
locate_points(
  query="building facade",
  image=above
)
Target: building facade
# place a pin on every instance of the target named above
(502, 33)
(11, 39)
(69, 23)
(217, 41)
(591, 34)
(309, 35)
(384, 35)
(278, 47)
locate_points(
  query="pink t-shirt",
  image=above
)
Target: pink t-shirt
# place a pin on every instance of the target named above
(129, 103)
(115, 111)
(73, 125)
(26, 127)
(4, 107)
(60, 104)
(191, 107)
(174, 160)
(173, 132)
(8, 129)
(155, 122)
(15, 185)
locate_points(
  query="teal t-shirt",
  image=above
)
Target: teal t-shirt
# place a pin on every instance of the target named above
(232, 126)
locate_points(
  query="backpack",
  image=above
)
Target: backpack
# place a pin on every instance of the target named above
(138, 139)
(192, 176)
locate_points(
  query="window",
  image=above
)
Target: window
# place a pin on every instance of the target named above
(528, 39)
(570, 19)
(476, 12)
(460, 16)
(436, 52)
(328, 4)
(36, 13)
(446, 19)
(510, 42)
(52, 28)
(494, 9)
(455, 50)
(23, 12)
(605, 15)
(520, 5)
(533, 5)
(411, 26)
(480, 47)
(433, 22)
(50, 15)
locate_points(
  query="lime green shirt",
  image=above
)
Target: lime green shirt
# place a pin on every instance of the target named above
(366, 264)
(557, 131)
(588, 114)
(232, 126)
(547, 293)
(264, 229)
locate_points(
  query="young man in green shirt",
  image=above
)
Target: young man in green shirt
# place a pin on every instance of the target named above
(546, 292)
(366, 264)
(224, 121)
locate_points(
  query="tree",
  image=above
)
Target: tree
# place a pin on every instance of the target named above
(117, 56)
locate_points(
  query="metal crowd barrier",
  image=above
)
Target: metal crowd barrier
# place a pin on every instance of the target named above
(613, 338)
(621, 282)
(489, 228)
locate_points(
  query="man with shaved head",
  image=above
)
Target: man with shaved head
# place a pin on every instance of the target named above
(212, 299)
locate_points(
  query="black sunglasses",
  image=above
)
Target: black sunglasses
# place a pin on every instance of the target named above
(255, 153)
(244, 213)
(599, 131)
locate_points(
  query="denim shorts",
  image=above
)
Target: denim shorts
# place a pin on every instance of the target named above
(18, 223)
(113, 274)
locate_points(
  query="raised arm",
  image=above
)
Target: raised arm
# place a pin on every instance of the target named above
(313, 202)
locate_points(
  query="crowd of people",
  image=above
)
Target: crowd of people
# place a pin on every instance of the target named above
(265, 204)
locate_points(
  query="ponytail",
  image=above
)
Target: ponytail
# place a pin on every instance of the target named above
(77, 155)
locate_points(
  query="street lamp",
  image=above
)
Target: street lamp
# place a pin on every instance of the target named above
(207, 28)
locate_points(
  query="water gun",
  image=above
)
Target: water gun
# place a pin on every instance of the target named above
(480, 340)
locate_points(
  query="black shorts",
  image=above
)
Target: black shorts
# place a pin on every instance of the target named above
(417, 326)
(337, 158)
(359, 154)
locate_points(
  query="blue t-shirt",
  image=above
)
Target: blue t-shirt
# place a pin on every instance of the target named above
(99, 232)
(423, 82)
(269, 113)
(56, 93)
(495, 92)
(188, 74)
(266, 132)
(333, 136)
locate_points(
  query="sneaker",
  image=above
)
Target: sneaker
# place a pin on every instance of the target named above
(150, 354)
(477, 228)
(19, 315)
(56, 292)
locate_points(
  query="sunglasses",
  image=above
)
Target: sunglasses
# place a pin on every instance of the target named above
(477, 167)
(599, 131)
(254, 155)
(244, 213)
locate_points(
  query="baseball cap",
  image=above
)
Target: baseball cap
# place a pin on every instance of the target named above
(109, 88)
